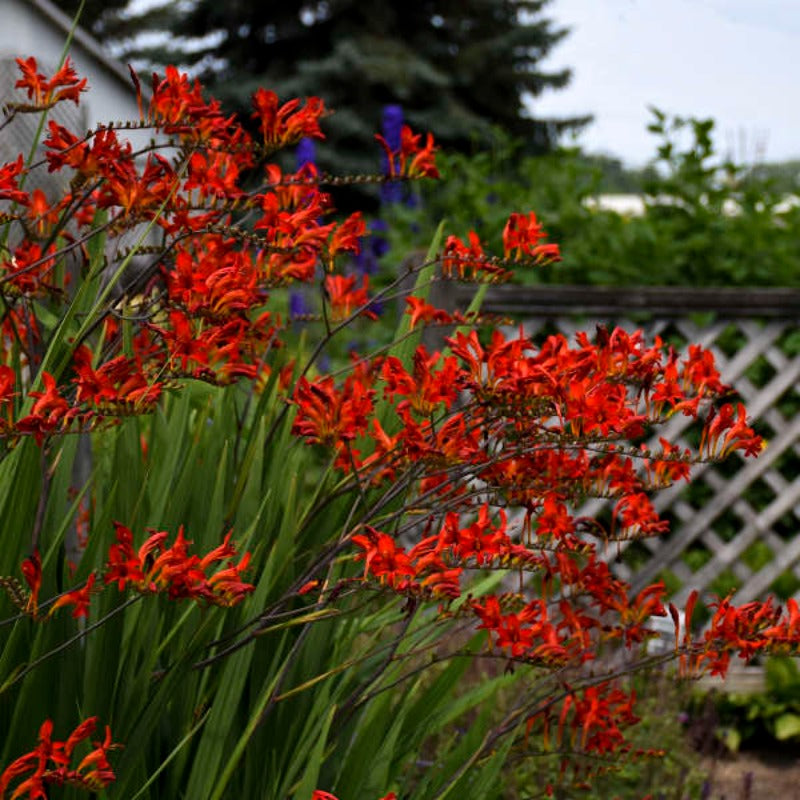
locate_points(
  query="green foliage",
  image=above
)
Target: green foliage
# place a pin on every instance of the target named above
(773, 715)
(705, 222)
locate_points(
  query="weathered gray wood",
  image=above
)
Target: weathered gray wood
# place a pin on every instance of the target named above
(612, 301)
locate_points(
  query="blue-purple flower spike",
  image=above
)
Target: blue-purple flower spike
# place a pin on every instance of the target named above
(391, 126)
(306, 152)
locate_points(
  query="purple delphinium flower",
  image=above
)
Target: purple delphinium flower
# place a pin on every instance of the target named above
(298, 304)
(391, 126)
(306, 152)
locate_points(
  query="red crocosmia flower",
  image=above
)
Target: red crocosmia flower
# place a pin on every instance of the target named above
(7, 394)
(411, 159)
(50, 764)
(521, 238)
(9, 189)
(32, 572)
(420, 160)
(124, 565)
(89, 159)
(185, 344)
(330, 416)
(427, 388)
(422, 312)
(227, 587)
(737, 434)
(636, 514)
(286, 124)
(44, 92)
(346, 238)
(213, 175)
(29, 270)
(554, 522)
(700, 372)
(345, 298)
(43, 217)
(49, 403)
(79, 598)
(383, 558)
(157, 568)
(174, 98)
(49, 411)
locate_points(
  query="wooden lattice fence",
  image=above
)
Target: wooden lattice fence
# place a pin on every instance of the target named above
(737, 526)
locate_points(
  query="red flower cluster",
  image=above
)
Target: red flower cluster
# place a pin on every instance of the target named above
(152, 569)
(288, 123)
(746, 631)
(521, 237)
(155, 568)
(206, 297)
(45, 92)
(411, 159)
(595, 718)
(51, 763)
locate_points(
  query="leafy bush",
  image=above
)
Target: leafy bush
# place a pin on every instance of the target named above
(758, 718)
(706, 222)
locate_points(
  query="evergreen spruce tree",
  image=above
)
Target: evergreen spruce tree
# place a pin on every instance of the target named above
(102, 18)
(456, 67)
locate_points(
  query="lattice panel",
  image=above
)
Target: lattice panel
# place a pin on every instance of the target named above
(735, 526)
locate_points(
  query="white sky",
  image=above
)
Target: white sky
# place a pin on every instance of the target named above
(734, 60)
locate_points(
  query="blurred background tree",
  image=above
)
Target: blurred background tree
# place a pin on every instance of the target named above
(456, 67)
(100, 17)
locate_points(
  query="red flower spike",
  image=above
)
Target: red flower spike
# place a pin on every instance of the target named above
(9, 188)
(156, 568)
(411, 159)
(345, 298)
(329, 416)
(286, 124)
(45, 93)
(469, 262)
(32, 572)
(521, 238)
(79, 598)
(50, 763)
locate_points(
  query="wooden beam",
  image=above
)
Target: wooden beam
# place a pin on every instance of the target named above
(662, 301)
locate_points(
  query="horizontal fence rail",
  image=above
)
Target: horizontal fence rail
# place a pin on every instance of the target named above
(661, 301)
